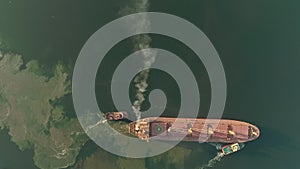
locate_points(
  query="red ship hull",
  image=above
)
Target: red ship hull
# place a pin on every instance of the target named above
(196, 130)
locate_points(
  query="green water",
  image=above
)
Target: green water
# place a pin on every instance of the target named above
(258, 43)
(11, 156)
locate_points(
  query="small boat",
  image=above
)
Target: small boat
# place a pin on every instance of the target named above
(231, 148)
(116, 115)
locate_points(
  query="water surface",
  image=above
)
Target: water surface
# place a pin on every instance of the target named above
(258, 43)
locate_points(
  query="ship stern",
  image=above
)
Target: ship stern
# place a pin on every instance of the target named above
(139, 129)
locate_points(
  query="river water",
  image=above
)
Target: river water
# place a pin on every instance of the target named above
(258, 43)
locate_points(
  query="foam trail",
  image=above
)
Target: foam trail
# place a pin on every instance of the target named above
(213, 161)
(218, 146)
(141, 42)
(102, 120)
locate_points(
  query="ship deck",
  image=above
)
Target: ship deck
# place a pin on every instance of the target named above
(202, 130)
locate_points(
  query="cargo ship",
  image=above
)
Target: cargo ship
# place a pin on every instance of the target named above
(196, 130)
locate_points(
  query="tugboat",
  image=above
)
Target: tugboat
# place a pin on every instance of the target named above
(231, 148)
(112, 116)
